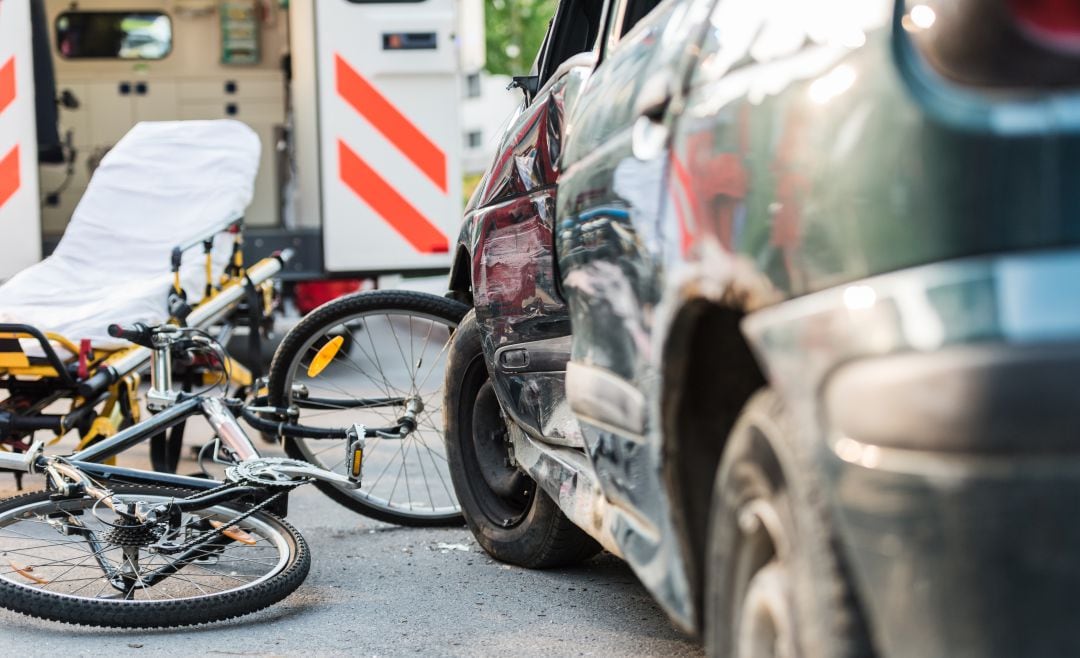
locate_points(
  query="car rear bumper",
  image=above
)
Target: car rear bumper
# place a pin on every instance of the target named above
(965, 557)
(943, 402)
(956, 484)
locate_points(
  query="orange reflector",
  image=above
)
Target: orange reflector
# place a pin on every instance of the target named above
(25, 572)
(325, 356)
(235, 534)
(357, 460)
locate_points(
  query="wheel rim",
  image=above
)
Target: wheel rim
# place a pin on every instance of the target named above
(765, 621)
(388, 355)
(502, 494)
(509, 491)
(36, 553)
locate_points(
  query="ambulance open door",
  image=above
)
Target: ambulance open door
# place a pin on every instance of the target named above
(20, 211)
(388, 133)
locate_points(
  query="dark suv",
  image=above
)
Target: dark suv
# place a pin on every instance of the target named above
(779, 300)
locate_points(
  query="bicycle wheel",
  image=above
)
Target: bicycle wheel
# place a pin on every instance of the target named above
(62, 560)
(374, 352)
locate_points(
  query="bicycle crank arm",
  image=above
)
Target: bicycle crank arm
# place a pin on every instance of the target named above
(316, 473)
(278, 472)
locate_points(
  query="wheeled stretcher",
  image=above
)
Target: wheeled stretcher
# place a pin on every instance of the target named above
(156, 238)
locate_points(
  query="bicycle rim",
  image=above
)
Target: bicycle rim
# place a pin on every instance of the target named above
(385, 355)
(67, 560)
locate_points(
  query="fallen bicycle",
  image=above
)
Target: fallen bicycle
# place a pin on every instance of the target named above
(110, 546)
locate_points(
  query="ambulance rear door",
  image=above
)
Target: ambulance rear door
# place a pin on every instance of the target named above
(20, 212)
(389, 133)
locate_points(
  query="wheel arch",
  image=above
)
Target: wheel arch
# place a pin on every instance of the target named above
(461, 276)
(709, 374)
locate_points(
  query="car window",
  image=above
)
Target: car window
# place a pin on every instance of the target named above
(650, 51)
(576, 29)
(635, 11)
(625, 15)
(545, 46)
(743, 33)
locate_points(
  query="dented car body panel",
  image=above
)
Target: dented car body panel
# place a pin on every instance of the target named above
(507, 243)
(610, 247)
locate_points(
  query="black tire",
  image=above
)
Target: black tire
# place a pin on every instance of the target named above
(298, 342)
(511, 518)
(20, 594)
(775, 580)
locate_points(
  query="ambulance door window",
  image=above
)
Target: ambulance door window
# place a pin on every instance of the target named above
(113, 35)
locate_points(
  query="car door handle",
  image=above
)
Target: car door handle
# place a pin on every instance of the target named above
(649, 134)
(655, 98)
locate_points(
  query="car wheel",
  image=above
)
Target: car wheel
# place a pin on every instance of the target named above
(775, 582)
(511, 518)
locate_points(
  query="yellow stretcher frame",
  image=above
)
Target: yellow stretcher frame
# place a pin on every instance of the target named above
(100, 406)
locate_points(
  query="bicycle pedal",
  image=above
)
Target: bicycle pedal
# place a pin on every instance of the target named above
(234, 533)
(354, 452)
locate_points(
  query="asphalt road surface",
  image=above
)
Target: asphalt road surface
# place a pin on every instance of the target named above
(382, 590)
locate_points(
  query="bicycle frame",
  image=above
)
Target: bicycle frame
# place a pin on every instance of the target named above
(217, 413)
(87, 460)
(80, 475)
(230, 432)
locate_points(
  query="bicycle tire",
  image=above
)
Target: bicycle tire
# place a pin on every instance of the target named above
(21, 594)
(298, 342)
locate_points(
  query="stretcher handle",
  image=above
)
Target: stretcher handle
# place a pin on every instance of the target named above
(139, 333)
(46, 348)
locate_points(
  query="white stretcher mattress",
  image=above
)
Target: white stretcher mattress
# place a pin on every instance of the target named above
(162, 185)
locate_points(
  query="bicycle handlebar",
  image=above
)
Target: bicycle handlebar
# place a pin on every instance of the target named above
(139, 333)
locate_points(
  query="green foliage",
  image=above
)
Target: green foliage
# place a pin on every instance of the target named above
(515, 30)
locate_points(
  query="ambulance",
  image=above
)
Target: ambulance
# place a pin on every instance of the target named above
(356, 103)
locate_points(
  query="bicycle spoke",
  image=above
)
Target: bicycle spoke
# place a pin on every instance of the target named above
(438, 357)
(397, 478)
(408, 490)
(138, 578)
(408, 365)
(420, 461)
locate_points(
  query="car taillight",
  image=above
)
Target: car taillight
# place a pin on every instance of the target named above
(1055, 23)
(1020, 45)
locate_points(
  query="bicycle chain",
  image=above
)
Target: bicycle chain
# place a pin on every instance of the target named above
(217, 532)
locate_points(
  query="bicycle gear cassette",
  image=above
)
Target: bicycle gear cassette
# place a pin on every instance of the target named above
(139, 535)
(270, 472)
